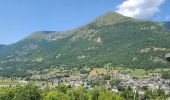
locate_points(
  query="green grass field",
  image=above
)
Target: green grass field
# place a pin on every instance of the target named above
(138, 72)
(160, 70)
(8, 82)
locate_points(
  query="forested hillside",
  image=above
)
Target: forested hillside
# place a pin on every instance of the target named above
(1, 46)
(111, 38)
(166, 24)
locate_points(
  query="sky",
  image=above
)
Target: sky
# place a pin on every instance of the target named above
(19, 18)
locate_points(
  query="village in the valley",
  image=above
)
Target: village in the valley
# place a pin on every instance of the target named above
(110, 78)
(115, 79)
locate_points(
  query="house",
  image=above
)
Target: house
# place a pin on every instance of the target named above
(166, 88)
(141, 92)
(115, 89)
(23, 82)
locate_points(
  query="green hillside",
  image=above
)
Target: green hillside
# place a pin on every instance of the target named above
(112, 38)
(1, 46)
(166, 24)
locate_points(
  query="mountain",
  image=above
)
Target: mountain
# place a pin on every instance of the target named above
(1, 46)
(165, 24)
(112, 38)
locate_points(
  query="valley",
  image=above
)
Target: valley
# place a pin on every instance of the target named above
(122, 56)
(140, 81)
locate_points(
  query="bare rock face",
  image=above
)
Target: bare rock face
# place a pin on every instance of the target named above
(48, 35)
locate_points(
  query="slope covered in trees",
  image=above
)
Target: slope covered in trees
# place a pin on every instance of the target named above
(111, 38)
(1, 46)
(165, 24)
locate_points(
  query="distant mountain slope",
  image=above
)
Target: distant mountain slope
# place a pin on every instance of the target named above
(166, 24)
(111, 38)
(1, 46)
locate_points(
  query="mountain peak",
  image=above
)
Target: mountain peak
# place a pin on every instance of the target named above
(111, 18)
(111, 38)
(113, 15)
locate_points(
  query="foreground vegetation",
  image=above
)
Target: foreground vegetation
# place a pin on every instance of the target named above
(166, 75)
(65, 92)
(61, 92)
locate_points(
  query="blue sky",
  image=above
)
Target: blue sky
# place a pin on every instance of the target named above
(19, 18)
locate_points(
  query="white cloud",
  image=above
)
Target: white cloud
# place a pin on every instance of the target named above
(139, 8)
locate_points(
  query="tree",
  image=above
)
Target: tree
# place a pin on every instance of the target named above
(78, 94)
(55, 95)
(128, 94)
(107, 95)
(115, 82)
(28, 92)
(7, 93)
(62, 88)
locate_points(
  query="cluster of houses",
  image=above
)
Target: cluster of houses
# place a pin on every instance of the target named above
(87, 80)
(150, 83)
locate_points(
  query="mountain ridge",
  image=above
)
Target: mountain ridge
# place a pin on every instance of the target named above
(111, 38)
(165, 24)
(1, 46)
